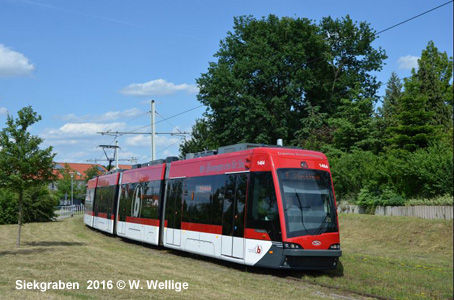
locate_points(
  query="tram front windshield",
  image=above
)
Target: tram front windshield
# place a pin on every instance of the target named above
(308, 202)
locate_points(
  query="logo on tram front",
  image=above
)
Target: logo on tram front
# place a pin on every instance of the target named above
(258, 249)
(316, 243)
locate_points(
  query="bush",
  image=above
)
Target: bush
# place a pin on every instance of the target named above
(369, 200)
(446, 200)
(38, 206)
(391, 177)
(429, 172)
(390, 198)
(8, 207)
(354, 171)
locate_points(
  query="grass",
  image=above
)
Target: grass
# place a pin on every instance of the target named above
(396, 257)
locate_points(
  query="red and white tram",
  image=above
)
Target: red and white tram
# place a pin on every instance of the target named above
(249, 204)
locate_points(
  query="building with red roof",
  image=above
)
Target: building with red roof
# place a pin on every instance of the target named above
(78, 170)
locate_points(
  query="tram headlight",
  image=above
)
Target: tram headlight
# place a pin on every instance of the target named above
(292, 246)
(335, 247)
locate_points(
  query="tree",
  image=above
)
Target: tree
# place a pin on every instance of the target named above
(414, 129)
(67, 184)
(200, 140)
(271, 72)
(23, 164)
(315, 132)
(434, 76)
(92, 172)
(393, 93)
(352, 124)
(424, 110)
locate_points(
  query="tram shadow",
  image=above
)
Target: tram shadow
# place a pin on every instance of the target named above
(54, 243)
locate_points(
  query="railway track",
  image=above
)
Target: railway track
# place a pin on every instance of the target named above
(346, 290)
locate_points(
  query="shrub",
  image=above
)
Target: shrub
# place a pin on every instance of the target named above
(390, 198)
(353, 171)
(8, 207)
(429, 171)
(446, 200)
(39, 205)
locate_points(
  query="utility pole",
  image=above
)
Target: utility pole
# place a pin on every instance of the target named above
(116, 155)
(153, 131)
(72, 200)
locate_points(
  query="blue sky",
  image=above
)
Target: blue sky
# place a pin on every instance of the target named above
(90, 66)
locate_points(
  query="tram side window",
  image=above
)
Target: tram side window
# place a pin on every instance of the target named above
(112, 199)
(99, 199)
(217, 199)
(174, 202)
(197, 200)
(105, 198)
(125, 202)
(89, 199)
(150, 200)
(203, 199)
(262, 210)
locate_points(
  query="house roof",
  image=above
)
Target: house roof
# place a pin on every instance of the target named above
(125, 167)
(78, 168)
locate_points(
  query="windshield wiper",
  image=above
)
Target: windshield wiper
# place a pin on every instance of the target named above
(301, 210)
(323, 224)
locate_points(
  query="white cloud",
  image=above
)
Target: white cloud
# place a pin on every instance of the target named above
(78, 141)
(142, 140)
(408, 62)
(71, 130)
(158, 87)
(3, 111)
(13, 63)
(108, 116)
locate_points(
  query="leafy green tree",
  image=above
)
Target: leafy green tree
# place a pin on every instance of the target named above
(92, 172)
(353, 124)
(425, 107)
(434, 75)
(414, 129)
(66, 184)
(200, 140)
(351, 58)
(314, 132)
(23, 164)
(271, 72)
(388, 111)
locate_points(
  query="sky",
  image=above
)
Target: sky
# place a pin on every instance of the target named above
(93, 66)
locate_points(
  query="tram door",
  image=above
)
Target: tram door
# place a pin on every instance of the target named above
(233, 215)
(173, 212)
(121, 227)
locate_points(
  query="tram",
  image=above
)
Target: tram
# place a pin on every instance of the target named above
(265, 206)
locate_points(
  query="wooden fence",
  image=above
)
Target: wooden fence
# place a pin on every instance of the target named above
(425, 212)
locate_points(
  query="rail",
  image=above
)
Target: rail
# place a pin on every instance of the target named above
(68, 211)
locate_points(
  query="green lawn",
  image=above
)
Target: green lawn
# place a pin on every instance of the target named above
(396, 257)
